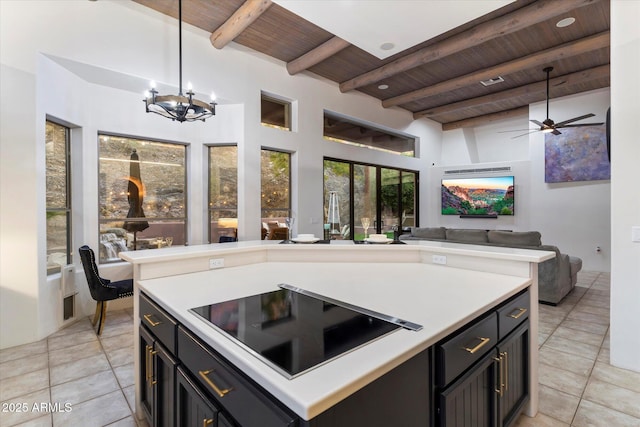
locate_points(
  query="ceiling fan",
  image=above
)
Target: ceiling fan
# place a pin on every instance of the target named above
(549, 126)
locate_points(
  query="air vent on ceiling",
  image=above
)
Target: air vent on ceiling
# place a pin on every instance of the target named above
(492, 81)
(480, 170)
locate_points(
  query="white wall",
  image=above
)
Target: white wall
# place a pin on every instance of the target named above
(625, 196)
(92, 76)
(573, 216)
(19, 250)
(522, 191)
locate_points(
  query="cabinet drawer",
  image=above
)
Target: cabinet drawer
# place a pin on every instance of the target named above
(512, 314)
(159, 322)
(463, 349)
(233, 392)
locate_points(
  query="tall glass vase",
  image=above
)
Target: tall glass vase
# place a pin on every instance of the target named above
(333, 217)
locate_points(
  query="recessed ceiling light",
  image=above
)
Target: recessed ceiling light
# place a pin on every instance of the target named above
(383, 87)
(565, 22)
(387, 46)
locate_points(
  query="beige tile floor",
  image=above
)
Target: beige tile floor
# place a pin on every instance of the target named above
(94, 376)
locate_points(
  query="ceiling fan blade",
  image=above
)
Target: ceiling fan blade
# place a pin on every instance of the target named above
(528, 133)
(575, 119)
(580, 125)
(516, 130)
(556, 132)
(537, 122)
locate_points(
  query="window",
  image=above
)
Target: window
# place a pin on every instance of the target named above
(142, 195)
(386, 196)
(57, 147)
(274, 112)
(223, 193)
(349, 131)
(275, 181)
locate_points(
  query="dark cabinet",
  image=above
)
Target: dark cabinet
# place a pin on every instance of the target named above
(146, 386)
(158, 381)
(193, 409)
(157, 364)
(513, 374)
(471, 400)
(223, 422)
(228, 387)
(475, 377)
(482, 370)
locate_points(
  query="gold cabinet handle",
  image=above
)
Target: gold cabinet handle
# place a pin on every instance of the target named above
(221, 393)
(147, 362)
(498, 388)
(207, 421)
(149, 353)
(521, 311)
(483, 341)
(506, 370)
(152, 352)
(147, 317)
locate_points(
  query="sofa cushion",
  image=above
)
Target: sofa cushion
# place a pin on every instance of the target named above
(513, 238)
(429, 232)
(466, 235)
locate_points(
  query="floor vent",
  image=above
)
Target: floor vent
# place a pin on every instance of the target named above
(68, 288)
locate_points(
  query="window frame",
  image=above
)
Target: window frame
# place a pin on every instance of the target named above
(365, 127)
(377, 227)
(157, 220)
(68, 208)
(289, 208)
(288, 111)
(211, 209)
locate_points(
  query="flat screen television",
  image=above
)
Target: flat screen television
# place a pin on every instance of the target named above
(490, 196)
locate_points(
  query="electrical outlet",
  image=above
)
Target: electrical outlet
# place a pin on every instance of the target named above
(216, 263)
(439, 259)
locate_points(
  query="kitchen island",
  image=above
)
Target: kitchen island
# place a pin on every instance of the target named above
(398, 280)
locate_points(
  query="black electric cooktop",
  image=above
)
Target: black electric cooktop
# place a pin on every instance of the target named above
(293, 330)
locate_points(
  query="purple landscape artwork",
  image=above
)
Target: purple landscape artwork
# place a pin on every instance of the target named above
(578, 154)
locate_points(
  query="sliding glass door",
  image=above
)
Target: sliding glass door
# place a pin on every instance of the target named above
(337, 198)
(364, 200)
(389, 201)
(383, 198)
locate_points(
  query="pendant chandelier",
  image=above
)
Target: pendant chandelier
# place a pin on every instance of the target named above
(180, 107)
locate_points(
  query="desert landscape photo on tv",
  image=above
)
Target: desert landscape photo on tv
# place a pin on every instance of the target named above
(478, 196)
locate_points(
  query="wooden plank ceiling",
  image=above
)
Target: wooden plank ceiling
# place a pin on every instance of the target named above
(439, 78)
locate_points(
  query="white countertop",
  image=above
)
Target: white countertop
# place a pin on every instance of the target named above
(336, 246)
(441, 298)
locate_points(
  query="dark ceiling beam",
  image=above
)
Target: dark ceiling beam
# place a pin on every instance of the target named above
(317, 55)
(481, 33)
(539, 59)
(238, 22)
(487, 118)
(539, 87)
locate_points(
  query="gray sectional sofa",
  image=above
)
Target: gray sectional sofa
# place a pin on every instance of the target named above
(556, 277)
